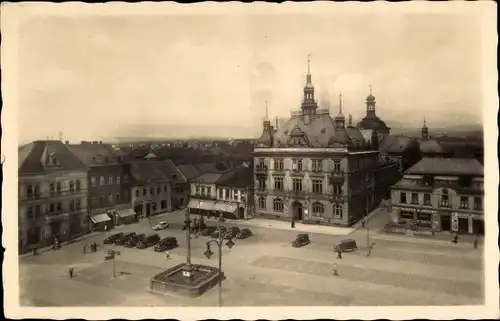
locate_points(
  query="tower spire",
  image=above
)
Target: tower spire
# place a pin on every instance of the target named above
(370, 87)
(309, 64)
(267, 115)
(340, 104)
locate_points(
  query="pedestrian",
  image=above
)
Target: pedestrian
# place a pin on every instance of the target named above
(293, 223)
(339, 253)
(167, 255)
(94, 246)
(106, 228)
(475, 242)
(370, 248)
(335, 269)
(34, 251)
(85, 249)
(363, 223)
(455, 239)
(70, 272)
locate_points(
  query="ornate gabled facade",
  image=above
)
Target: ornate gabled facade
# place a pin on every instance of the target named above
(314, 168)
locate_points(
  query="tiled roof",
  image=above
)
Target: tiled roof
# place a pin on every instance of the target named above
(95, 154)
(239, 178)
(34, 158)
(208, 178)
(156, 171)
(395, 143)
(170, 171)
(372, 122)
(430, 146)
(447, 166)
(211, 167)
(189, 171)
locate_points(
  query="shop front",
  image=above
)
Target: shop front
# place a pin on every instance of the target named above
(467, 223)
(417, 219)
(124, 216)
(228, 209)
(202, 207)
(101, 221)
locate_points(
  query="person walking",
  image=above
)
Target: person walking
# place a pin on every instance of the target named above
(335, 269)
(84, 248)
(475, 242)
(34, 251)
(167, 255)
(339, 253)
(70, 272)
(455, 239)
(363, 223)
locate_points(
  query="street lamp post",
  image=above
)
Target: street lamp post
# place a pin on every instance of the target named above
(208, 253)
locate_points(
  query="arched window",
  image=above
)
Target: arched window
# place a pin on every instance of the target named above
(318, 209)
(262, 203)
(52, 187)
(337, 211)
(71, 186)
(278, 205)
(117, 197)
(58, 187)
(77, 185)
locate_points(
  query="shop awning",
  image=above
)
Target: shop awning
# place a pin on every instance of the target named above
(229, 208)
(203, 205)
(99, 218)
(126, 212)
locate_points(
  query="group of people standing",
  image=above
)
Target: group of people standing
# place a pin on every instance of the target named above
(92, 246)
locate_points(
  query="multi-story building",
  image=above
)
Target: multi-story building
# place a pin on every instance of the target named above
(52, 194)
(441, 194)
(314, 168)
(229, 193)
(109, 184)
(152, 185)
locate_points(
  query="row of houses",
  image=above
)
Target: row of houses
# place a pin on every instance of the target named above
(66, 190)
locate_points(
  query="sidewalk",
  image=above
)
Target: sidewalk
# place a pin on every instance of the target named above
(299, 227)
(464, 241)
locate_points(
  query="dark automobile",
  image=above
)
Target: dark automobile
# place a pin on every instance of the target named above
(122, 239)
(166, 244)
(346, 246)
(231, 233)
(134, 240)
(215, 234)
(112, 238)
(150, 240)
(301, 240)
(243, 234)
(207, 231)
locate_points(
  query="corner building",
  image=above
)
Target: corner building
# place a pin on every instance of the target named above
(315, 169)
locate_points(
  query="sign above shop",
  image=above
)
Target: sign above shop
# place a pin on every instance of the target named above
(413, 209)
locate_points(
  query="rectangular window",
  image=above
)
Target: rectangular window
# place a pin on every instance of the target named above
(402, 197)
(262, 184)
(165, 189)
(337, 189)
(226, 193)
(77, 205)
(428, 180)
(427, 199)
(478, 203)
(59, 187)
(110, 180)
(464, 202)
(151, 191)
(209, 191)
(317, 165)
(445, 201)
(101, 180)
(336, 166)
(414, 198)
(297, 165)
(197, 190)
(29, 212)
(235, 195)
(203, 191)
(297, 184)
(278, 183)
(72, 205)
(317, 186)
(94, 181)
(278, 164)
(144, 192)
(158, 190)
(118, 181)
(261, 164)
(278, 205)
(262, 203)
(59, 207)
(137, 192)
(38, 210)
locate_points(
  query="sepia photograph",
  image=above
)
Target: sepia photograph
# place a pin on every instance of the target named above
(248, 161)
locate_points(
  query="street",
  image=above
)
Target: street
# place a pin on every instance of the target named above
(263, 270)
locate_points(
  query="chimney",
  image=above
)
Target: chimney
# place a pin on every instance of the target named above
(67, 142)
(350, 120)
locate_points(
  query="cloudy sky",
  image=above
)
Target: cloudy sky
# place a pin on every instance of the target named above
(106, 76)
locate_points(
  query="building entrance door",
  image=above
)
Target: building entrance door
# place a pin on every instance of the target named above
(446, 222)
(55, 228)
(478, 226)
(463, 225)
(297, 211)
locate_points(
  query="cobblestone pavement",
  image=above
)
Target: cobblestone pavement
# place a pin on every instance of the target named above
(263, 270)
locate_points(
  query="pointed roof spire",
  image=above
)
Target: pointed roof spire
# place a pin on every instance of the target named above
(370, 97)
(340, 104)
(370, 86)
(309, 64)
(267, 115)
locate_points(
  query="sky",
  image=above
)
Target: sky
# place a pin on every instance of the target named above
(96, 77)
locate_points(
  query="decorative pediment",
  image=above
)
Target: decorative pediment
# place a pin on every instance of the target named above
(297, 138)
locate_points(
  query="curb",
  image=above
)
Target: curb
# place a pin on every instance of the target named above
(422, 241)
(48, 248)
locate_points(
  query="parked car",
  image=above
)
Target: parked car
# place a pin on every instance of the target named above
(215, 234)
(166, 244)
(231, 233)
(160, 226)
(134, 240)
(243, 234)
(122, 239)
(346, 245)
(112, 238)
(150, 240)
(301, 240)
(207, 231)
